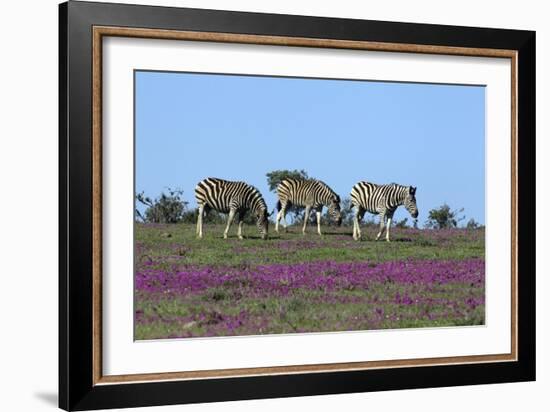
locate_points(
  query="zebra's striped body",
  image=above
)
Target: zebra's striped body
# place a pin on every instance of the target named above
(233, 198)
(382, 200)
(311, 194)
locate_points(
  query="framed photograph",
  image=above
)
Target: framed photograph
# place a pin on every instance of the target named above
(257, 205)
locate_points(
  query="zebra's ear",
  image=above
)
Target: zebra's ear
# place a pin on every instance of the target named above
(336, 199)
(412, 190)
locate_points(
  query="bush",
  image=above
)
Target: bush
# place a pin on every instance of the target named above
(167, 208)
(444, 218)
(212, 216)
(275, 177)
(472, 224)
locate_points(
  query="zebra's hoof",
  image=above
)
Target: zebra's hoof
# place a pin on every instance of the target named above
(241, 238)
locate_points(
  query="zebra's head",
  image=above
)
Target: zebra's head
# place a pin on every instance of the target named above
(410, 202)
(334, 210)
(262, 221)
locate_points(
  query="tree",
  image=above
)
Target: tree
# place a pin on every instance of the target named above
(472, 224)
(275, 177)
(444, 218)
(167, 208)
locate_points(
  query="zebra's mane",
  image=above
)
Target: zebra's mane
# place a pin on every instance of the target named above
(400, 187)
(396, 185)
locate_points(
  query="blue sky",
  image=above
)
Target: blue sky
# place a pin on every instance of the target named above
(191, 126)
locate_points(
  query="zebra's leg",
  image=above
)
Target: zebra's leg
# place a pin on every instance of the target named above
(390, 217)
(285, 225)
(382, 224)
(357, 225)
(319, 222)
(359, 219)
(240, 231)
(280, 214)
(306, 218)
(229, 220)
(199, 221)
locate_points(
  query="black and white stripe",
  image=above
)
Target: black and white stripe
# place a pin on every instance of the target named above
(311, 194)
(233, 198)
(382, 200)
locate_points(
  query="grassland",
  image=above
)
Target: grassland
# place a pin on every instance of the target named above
(186, 287)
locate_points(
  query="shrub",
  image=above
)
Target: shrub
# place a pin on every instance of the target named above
(167, 208)
(444, 218)
(472, 224)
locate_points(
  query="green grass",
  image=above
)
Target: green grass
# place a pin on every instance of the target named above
(236, 308)
(179, 243)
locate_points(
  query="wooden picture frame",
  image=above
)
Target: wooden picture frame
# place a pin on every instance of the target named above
(82, 385)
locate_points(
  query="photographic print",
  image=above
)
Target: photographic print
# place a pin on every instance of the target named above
(280, 205)
(245, 216)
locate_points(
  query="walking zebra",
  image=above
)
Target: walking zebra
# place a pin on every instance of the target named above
(383, 200)
(231, 198)
(311, 193)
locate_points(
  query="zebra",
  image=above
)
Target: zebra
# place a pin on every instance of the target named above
(382, 200)
(231, 198)
(311, 193)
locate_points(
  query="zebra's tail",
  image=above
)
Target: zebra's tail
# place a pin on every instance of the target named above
(278, 205)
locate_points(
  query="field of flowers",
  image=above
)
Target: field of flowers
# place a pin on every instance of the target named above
(185, 287)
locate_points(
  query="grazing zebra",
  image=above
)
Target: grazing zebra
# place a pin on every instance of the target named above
(382, 200)
(311, 193)
(232, 198)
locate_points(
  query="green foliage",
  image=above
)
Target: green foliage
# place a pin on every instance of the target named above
(444, 218)
(275, 177)
(472, 224)
(189, 216)
(212, 216)
(167, 208)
